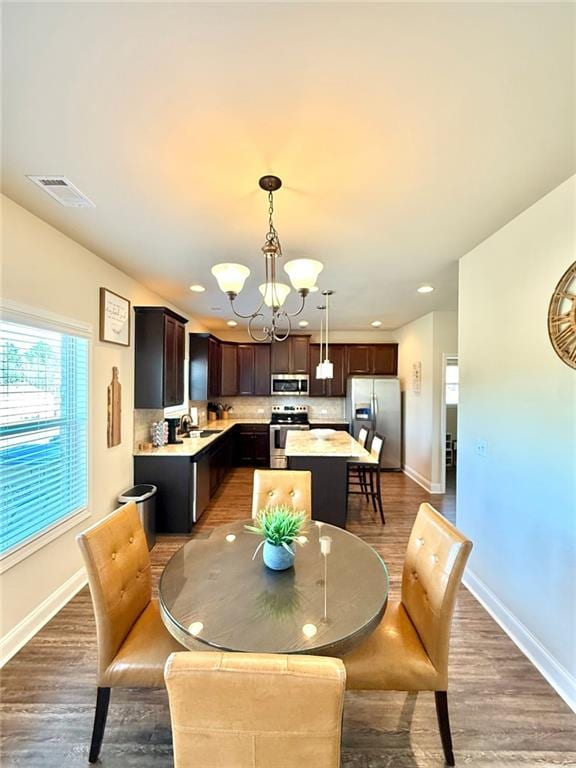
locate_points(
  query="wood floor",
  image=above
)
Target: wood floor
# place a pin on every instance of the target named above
(503, 712)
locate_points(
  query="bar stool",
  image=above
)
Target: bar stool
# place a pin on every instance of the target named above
(369, 476)
(356, 477)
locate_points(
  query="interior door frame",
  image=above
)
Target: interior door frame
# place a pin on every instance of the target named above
(445, 357)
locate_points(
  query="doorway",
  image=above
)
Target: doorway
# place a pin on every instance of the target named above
(450, 397)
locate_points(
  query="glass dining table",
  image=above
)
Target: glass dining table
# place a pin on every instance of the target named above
(213, 591)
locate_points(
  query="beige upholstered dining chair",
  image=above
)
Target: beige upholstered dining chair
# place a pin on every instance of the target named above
(255, 710)
(409, 649)
(282, 486)
(133, 643)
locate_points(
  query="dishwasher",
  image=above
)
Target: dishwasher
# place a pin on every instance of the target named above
(201, 486)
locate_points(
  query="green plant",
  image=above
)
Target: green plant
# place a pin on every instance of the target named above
(279, 525)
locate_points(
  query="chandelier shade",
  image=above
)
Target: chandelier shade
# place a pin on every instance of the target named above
(303, 273)
(230, 277)
(274, 293)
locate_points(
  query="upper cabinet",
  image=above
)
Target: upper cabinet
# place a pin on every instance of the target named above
(159, 350)
(205, 361)
(385, 359)
(360, 359)
(291, 355)
(225, 368)
(253, 369)
(372, 359)
(229, 369)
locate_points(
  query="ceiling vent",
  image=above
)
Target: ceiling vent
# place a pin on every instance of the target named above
(62, 190)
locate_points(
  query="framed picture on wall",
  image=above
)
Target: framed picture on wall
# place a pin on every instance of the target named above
(114, 318)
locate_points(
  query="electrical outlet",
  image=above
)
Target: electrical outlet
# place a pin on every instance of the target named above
(481, 448)
(324, 411)
(260, 410)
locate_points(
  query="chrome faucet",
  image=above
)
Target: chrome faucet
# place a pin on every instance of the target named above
(185, 425)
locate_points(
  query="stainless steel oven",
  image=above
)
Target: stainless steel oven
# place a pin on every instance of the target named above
(285, 418)
(289, 384)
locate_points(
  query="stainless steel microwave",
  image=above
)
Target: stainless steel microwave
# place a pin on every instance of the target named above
(289, 384)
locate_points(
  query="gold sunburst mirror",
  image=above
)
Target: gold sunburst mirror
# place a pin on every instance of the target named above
(562, 317)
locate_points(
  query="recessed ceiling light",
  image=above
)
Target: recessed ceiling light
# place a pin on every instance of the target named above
(303, 323)
(376, 323)
(216, 309)
(425, 289)
(314, 289)
(197, 288)
(232, 323)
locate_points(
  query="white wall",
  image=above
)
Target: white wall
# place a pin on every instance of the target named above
(46, 270)
(424, 340)
(518, 503)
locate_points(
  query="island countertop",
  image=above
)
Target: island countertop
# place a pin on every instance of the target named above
(340, 444)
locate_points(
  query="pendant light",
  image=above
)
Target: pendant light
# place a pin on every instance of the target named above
(325, 369)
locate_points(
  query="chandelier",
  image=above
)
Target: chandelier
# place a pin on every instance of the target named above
(303, 274)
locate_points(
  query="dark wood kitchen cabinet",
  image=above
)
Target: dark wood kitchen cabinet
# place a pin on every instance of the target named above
(228, 369)
(253, 369)
(252, 445)
(335, 387)
(360, 358)
(372, 359)
(386, 359)
(205, 361)
(159, 350)
(291, 355)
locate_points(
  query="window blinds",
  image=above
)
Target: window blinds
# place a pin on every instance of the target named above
(43, 430)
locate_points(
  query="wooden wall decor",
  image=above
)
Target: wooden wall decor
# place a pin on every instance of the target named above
(114, 410)
(562, 317)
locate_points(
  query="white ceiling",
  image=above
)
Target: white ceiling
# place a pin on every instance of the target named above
(405, 134)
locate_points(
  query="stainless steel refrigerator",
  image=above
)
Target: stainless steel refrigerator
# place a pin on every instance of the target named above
(374, 402)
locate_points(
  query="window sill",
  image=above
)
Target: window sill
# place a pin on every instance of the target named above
(28, 548)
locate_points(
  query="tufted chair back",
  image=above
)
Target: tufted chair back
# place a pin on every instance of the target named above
(282, 486)
(255, 710)
(435, 559)
(118, 565)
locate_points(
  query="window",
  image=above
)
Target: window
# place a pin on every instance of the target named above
(452, 382)
(43, 430)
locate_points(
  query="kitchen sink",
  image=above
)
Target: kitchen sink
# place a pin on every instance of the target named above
(208, 432)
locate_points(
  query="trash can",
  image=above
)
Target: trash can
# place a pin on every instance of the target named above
(144, 495)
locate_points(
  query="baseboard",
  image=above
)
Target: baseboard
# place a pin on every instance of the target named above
(421, 480)
(23, 632)
(549, 667)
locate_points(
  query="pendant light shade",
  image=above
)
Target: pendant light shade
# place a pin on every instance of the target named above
(274, 293)
(230, 277)
(303, 273)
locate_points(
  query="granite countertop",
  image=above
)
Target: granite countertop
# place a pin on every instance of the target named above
(325, 420)
(194, 445)
(340, 444)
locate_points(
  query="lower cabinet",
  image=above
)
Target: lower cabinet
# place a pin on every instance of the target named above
(187, 483)
(252, 445)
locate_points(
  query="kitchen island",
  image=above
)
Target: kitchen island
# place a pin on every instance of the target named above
(328, 461)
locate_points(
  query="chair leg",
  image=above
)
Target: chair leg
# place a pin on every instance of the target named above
(373, 489)
(379, 496)
(363, 485)
(102, 701)
(444, 725)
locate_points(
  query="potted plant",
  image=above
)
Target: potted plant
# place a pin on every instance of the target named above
(279, 526)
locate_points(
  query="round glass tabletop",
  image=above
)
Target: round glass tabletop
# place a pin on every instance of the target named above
(213, 591)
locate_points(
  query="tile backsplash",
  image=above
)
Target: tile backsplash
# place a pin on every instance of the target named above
(323, 408)
(320, 408)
